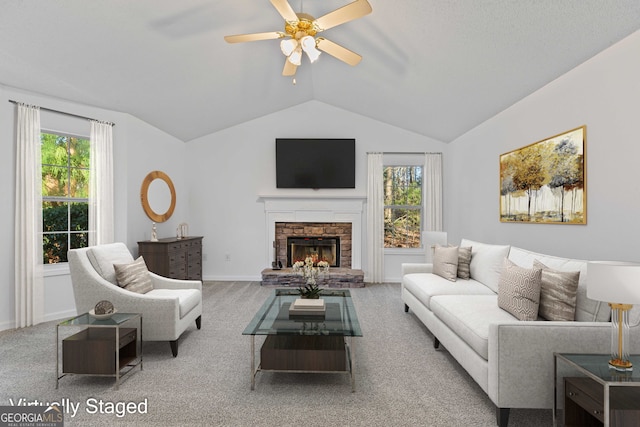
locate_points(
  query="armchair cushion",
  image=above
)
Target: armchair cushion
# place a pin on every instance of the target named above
(103, 257)
(134, 276)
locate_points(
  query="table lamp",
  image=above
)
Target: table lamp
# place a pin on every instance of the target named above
(617, 283)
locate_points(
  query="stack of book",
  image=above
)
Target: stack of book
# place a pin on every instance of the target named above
(307, 307)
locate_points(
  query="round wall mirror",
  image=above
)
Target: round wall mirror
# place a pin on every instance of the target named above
(158, 196)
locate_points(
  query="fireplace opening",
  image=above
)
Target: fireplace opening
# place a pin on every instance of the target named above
(318, 248)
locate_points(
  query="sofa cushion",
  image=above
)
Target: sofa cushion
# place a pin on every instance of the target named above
(445, 262)
(587, 310)
(423, 286)
(486, 262)
(557, 293)
(103, 257)
(469, 316)
(134, 276)
(464, 263)
(188, 299)
(519, 290)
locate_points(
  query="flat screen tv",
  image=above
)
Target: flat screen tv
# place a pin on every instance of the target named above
(315, 163)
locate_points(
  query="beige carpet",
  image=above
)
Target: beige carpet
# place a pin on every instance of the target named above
(401, 380)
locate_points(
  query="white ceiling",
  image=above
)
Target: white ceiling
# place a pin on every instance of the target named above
(435, 67)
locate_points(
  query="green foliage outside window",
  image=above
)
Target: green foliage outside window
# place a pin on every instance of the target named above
(403, 206)
(65, 192)
(57, 218)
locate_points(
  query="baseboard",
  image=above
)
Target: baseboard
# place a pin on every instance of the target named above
(59, 315)
(232, 278)
(7, 325)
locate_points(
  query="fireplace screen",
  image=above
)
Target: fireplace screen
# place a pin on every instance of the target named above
(318, 248)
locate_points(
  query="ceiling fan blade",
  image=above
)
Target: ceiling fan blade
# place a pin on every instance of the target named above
(289, 68)
(334, 49)
(284, 9)
(241, 38)
(354, 10)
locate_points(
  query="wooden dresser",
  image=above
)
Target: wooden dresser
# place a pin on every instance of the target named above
(174, 258)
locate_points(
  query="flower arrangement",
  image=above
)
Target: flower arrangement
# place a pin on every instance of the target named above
(310, 271)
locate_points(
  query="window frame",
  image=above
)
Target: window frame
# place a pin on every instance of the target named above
(62, 268)
(407, 160)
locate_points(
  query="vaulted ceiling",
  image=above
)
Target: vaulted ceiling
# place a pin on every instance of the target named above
(434, 67)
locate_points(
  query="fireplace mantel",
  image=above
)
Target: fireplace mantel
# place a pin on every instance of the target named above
(315, 208)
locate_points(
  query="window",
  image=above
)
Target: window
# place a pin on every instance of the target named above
(402, 206)
(65, 192)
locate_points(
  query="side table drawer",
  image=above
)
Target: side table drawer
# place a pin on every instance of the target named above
(587, 394)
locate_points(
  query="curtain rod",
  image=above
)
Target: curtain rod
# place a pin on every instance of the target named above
(403, 152)
(65, 113)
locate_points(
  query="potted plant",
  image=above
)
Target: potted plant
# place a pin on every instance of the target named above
(310, 271)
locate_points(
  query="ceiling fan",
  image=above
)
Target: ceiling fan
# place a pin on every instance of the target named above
(300, 31)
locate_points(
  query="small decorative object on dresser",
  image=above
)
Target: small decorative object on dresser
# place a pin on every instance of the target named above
(174, 258)
(154, 232)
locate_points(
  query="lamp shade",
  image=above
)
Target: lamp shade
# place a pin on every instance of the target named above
(614, 282)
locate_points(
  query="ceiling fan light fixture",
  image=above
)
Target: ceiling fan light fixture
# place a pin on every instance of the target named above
(309, 46)
(296, 56)
(288, 46)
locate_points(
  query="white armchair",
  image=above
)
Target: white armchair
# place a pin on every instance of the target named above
(167, 310)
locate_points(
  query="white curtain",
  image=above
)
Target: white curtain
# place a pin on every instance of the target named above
(101, 184)
(375, 218)
(433, 191)
(29, 289)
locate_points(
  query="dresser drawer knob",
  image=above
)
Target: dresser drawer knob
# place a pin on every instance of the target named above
(571, 393)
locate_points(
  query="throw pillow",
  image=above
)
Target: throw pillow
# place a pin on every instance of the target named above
(134, 276)
(558, 293)
(519, 290)
(445, 262)
(464, 262)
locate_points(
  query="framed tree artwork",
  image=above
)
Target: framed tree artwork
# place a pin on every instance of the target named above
(545, 182)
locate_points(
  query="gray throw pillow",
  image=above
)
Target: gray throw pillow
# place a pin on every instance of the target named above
(519, 290)
(134, 276)
(445, 262)
(464, 262)
(558, 293)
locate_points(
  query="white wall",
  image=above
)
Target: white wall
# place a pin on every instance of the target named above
(138, 149)
(604, 95)
(230, 169)
(218, 178)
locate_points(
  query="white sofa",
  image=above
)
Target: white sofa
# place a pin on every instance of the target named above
(511, 360)
(167, 310)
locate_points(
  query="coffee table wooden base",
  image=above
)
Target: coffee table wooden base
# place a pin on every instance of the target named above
(304, 353)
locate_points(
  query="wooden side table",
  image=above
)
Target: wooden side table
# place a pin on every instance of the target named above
(102, 347)
(598, 395)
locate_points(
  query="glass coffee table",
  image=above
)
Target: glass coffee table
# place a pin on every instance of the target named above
(316, 344)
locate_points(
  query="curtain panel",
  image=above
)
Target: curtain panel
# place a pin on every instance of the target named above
(375, 218)
(433, 192)
(101, 223)
(29, 281)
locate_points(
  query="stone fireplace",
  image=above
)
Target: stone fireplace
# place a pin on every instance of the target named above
(328, 241)
(315, 217)
(337, 210)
